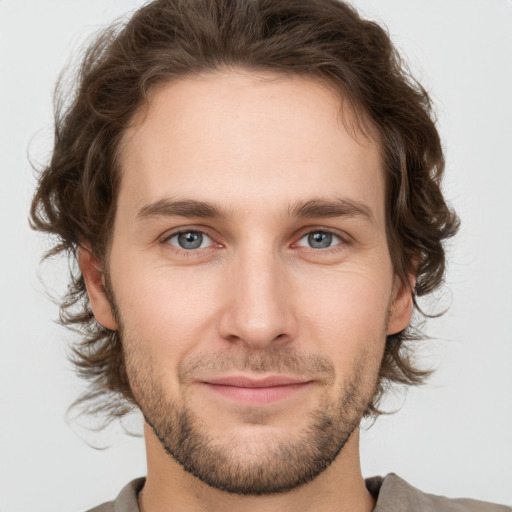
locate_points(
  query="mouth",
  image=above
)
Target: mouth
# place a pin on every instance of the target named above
(260, 391)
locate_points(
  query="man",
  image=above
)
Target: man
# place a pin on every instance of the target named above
(251, 190)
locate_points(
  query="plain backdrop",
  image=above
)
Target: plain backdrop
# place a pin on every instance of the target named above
(452, 437)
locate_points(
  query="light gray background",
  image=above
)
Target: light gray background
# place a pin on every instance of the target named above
(452, 437)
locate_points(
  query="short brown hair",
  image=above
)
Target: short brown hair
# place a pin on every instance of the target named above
(170, 39)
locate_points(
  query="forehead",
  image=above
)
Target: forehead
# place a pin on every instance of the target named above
(246, 139)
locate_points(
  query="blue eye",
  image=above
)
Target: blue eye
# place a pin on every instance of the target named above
(193, 239)
(319, 240)
(190, 240)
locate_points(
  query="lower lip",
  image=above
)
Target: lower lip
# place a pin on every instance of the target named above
(257, 396)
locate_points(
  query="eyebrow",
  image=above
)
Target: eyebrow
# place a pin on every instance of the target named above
(324, 208)
(180, 208)
(312, 208)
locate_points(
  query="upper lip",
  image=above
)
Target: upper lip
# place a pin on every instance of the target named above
(269, 381)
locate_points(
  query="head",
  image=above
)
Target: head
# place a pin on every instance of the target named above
(250, 188)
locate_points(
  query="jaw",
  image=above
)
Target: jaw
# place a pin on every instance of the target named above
(340, 487)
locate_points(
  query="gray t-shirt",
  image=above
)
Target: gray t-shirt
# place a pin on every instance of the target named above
(392, 494)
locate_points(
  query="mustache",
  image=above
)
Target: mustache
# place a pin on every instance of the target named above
(278, 360)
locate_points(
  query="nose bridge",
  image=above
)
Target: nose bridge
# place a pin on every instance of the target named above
(259, 309)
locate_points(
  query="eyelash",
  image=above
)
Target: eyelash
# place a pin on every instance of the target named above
(199, 251)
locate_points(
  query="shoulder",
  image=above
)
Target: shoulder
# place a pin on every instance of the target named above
(396, 495)
(126, 500)
(105, 507)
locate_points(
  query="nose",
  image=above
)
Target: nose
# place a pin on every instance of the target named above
(259, 307)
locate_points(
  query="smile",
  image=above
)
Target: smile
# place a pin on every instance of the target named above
(249, 391)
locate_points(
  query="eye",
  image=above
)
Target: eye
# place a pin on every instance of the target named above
(189, 240)
(319, 240)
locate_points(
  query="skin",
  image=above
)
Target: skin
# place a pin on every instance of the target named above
(255, 146)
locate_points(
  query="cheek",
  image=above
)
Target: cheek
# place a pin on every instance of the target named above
(168, 310)
(346, 312)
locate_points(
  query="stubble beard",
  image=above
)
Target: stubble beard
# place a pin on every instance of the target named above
(277, 466)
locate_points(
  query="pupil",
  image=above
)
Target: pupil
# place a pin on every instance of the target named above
(190, 240)
(320, 240)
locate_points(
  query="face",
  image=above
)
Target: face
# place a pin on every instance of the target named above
(251, 277)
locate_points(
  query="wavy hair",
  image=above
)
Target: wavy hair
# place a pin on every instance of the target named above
(166, 40)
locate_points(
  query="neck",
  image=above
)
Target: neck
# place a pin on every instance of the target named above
(340, 488)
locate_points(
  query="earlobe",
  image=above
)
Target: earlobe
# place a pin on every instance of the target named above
(94, 282)
(402, 305)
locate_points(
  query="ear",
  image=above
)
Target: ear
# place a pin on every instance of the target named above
(401, 305)
(94, 282)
